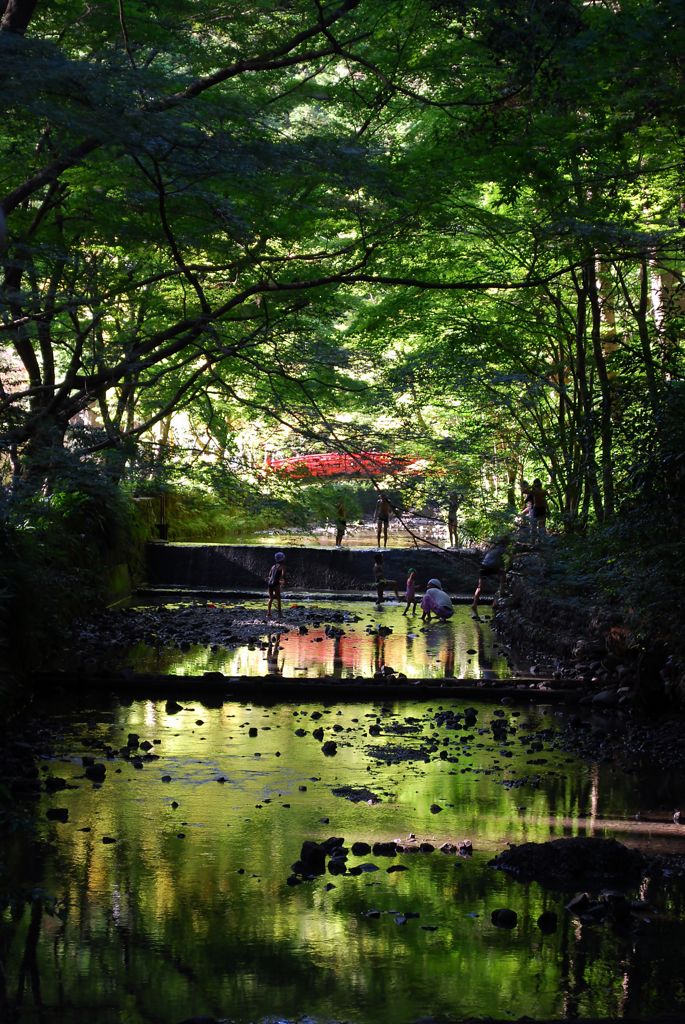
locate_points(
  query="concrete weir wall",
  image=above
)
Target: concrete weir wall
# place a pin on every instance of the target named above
(245, 567)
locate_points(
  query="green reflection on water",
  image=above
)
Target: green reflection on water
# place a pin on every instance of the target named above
(160, 927)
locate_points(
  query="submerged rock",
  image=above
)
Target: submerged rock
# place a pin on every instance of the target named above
(57, 814)
(503, 917)
(547, 922)
(575, 863)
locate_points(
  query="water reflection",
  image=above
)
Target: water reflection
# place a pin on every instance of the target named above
(462, 647)
(185, 910)
(273, 667)
(412, 532)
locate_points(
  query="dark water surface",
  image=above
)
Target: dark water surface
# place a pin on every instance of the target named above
(189, 911)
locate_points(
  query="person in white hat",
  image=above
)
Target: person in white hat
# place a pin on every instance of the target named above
(435, 601)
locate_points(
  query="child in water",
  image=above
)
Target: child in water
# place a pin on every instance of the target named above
(410, 592)
(275, 581)
(380, 580)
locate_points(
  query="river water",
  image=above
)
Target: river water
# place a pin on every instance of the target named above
(373, 638)
(164, 894)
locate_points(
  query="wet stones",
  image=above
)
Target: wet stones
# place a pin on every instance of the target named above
(503, 917)
(60, 814)
(385, 849)
(54, 783)
(575, 863)
(96, 772)
(357, 795)
(547, 922)
(609, 906)
(312, 860)
(463, 848)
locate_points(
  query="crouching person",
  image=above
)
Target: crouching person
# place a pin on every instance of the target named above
(436, 602)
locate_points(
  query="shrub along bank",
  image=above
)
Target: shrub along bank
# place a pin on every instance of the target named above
(606, 608)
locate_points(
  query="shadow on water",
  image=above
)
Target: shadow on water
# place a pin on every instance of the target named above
(166, 881)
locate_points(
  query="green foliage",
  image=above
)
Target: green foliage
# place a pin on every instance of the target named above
(636, 565)
(58, 549)
(451, 230)
(197, 515)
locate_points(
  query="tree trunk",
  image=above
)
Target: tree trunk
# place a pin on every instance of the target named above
(15, 15)
(605, 386)
(40, 459)
(668, 298)
(586, 417)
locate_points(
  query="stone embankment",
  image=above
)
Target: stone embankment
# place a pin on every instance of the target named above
(559, 626)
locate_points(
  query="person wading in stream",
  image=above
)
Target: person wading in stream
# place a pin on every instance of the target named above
(436, 602)
(275, 581)
(491, 566)
(410, 592)
(380, 581)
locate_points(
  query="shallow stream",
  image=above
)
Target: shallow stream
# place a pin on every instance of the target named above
(462, 647)
(164, 893)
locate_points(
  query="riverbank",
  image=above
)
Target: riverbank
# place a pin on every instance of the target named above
(563, 623)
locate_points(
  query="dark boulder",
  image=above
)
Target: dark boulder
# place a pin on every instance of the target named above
(96, 772)
(57, 814)
(503, 917)
(547, 922)
(576, 863)
(312, 858)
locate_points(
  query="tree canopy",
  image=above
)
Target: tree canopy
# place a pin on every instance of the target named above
(454, 226)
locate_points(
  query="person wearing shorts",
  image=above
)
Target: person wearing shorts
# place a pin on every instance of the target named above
(275, 581)
(538, 512)
(380, 581)
(491, 566)
(382, 517)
